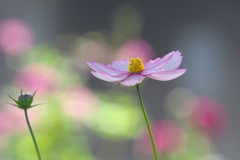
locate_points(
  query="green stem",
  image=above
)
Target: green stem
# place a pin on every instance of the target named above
(32, 134)
(147, 122)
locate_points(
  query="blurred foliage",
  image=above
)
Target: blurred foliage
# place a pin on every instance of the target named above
(118, 117)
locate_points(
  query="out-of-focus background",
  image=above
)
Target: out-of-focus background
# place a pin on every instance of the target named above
(44, 46)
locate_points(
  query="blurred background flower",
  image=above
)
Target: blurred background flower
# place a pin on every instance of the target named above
(169, 139)
(16, 36)
(80, 103)
(38, 77)
(209, 115)
(136, 48)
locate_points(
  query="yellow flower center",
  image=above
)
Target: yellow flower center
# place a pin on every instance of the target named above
(135, 65)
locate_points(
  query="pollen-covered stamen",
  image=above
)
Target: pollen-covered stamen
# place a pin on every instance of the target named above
(135, 65)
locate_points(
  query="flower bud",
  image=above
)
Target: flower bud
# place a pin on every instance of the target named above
(24, 101)
(25, 96)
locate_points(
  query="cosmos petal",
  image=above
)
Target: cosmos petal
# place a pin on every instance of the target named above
(121, 65)
(173, 64)
(105, 69)
(175, 61)
(167, 75)
(151, 62)
(171, 54)
(133, 80)
(158, 65)
(107, 77)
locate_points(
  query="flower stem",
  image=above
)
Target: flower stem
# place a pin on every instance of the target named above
(32, 134)
(147, 122)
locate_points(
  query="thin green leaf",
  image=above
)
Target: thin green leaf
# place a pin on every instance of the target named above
(36, 105)
(12, 104)
(14, 100)
(34, 93)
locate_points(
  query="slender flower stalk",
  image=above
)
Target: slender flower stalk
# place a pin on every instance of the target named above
(25, 102)
(32, 134)
(147, 122)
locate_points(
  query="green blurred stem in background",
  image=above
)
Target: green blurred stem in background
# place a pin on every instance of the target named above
(32, 134)
(147, 122)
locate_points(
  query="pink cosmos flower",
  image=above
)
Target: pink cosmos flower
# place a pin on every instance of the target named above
(133, 71)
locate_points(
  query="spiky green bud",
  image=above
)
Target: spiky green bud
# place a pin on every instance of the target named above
(24, 101)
